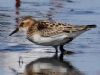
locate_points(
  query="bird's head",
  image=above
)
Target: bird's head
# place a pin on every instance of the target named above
(24, 24)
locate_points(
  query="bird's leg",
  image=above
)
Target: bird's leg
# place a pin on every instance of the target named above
(61, 56)
(63, 51)
(56, 48)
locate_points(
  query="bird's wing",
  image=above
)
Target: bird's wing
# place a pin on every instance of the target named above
(47, 29)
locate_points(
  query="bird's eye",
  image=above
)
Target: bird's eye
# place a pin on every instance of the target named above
(22, 24)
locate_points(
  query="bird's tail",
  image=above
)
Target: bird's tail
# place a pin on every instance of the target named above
(82, 29)
(90, 26)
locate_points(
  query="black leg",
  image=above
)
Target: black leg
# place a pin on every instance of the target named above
(61, 56)
(63, 51)
(56, 48)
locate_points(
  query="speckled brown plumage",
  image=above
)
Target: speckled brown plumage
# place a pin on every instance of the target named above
(48, 33)
(46, 28)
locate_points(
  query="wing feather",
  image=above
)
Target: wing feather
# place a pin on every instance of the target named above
(47, 29)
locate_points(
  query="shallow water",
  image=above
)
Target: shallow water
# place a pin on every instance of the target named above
(76, 12)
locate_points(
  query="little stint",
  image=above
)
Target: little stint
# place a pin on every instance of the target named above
(48, 33)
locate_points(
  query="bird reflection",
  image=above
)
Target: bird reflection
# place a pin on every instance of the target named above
(51, 66)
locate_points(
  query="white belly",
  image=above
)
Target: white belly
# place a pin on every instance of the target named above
(49, 41)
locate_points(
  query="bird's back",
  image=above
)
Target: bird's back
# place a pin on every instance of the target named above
(48, 29)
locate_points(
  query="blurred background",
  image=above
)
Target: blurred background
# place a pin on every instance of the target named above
(78, 12)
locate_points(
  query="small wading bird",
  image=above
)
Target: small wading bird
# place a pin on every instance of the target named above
(48, 33)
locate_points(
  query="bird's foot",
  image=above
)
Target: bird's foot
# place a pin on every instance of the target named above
(68, 52)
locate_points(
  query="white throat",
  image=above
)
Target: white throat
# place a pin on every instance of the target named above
(24, 30)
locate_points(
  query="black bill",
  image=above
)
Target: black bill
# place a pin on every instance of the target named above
(16, 30)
